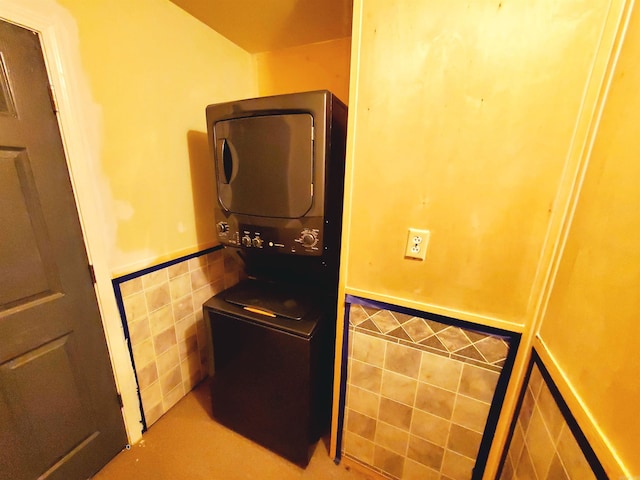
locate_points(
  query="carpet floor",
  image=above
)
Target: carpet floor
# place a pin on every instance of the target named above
(186, 443)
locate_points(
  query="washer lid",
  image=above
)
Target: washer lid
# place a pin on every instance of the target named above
(287, 301)
(262, 315)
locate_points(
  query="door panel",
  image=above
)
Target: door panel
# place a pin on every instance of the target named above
(59, 412)
(35, 396)
(25, 252)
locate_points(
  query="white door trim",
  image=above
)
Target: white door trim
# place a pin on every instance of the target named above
(60, 45)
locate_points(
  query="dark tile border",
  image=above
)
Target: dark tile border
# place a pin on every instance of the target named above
(572, 423)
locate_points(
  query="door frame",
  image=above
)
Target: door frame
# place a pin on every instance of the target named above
(78, 114)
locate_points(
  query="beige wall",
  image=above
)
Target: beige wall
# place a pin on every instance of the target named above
(591, 323)
(151, 70)
(317, 66)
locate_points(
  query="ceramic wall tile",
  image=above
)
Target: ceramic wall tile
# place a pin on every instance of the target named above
(556, 470)
(395, 414)
(440, 371)
(507, 469)
(186, 327)
(139, 330)
(190, 368)
(517, 443)
(456, 466)
(167, 334)
(147, 375)
(464, 441)
(524, 468)
(543, 445)
(359, 447)
(157, 297)
(478, 383)
(168, 360)
(403, 360)
(573, 457)
(361, 425)
(425, 452)
(164, 340)
(366, 376)
(161, 319)
(172, 397)
(391, 438)
(364, 401)
(135, 306)
(144, 353)
(368, 349)
(154, 278)
(180, 286)
(188, 346)
(430, 427)
(553, 418)
(151, 396)
(416, 471)
(387, 461)
(131, 287)
(399, 387)
(153, 412)
(435, 400)
(470, 413)
(177, 269)
(418, 393)
(170, 381)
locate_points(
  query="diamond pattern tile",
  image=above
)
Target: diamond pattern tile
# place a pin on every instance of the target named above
(385, 321)
(448, 339)
(357, 315)
(453, 338)
(418, 329)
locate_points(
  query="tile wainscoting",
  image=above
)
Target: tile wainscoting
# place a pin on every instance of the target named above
(546, 442)
(161, 309)
(423, 393)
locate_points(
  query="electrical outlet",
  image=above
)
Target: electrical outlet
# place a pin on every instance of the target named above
(417, 242)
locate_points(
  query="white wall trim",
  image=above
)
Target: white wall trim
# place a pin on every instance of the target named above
(58, 35)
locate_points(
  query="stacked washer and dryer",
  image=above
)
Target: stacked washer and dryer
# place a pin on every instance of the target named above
(279, 168)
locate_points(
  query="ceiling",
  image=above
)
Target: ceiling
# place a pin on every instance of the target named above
(267, 25)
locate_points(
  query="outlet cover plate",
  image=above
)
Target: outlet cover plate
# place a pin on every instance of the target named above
(417, 241)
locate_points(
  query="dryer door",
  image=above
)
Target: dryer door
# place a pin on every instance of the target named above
(264, 165)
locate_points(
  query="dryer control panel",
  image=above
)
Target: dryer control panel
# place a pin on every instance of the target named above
(296, 239)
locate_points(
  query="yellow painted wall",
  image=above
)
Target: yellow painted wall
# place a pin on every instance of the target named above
(152, 69)
(591, 324)
(470, 120)
(316, 66)
(464, 119)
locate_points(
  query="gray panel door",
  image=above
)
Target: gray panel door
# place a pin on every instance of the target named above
(59, 413)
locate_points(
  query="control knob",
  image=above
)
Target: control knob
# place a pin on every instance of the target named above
(246, 241)
(257, 242)
(223, 227)
(308, 239)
